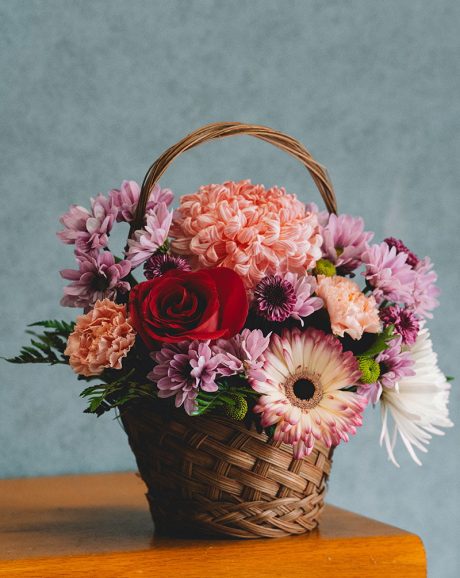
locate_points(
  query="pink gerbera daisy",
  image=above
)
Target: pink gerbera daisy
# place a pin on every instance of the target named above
(302, 391)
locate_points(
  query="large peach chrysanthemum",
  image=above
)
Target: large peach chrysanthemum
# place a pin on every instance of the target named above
(301, 386)
(247, 228)
(101, 338)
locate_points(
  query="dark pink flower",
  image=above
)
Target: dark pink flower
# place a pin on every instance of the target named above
(97, 277)
(404, 320)
(400, 247)
(158, 264)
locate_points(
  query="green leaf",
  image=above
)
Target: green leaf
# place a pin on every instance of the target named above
(225, 396)
(380, 343)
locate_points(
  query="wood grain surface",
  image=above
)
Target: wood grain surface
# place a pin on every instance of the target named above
(99, 525)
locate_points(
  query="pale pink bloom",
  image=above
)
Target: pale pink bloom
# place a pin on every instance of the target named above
(101, 339)
(254, 231)
(305, 302)
(388, 273)
(125, 199)
(98, 276)
(302, 390)
(345, 240)
(350, 311)
(151, 237)
(425, 292)
(241, 353)
(183, 369)
(74, 222)
(89, 230)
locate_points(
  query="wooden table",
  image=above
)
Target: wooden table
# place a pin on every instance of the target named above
(99, 525)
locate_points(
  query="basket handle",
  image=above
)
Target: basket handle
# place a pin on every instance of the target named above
(223, 129)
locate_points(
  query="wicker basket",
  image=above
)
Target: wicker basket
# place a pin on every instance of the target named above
(211, 474)
(214, 476)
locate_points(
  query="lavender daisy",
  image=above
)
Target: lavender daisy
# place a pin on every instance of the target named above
(88, 230)
(242, 353)
(125, 199)
(345, 240)
(388, 273)
(158, 264)
(98, 276)
(425, 290)
(183, 369)
(394, 365)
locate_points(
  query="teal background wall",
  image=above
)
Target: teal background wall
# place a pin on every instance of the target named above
(92, 91)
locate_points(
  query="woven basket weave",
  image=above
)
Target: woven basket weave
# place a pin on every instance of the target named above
(212, 474)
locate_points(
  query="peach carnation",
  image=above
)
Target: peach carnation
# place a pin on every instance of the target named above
(101, 338)
(350, 311)
(256, 232)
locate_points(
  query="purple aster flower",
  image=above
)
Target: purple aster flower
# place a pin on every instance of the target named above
(97, 277)
(425, 291)
(388, 274)
(89, 230)
(158, 264)
(394, 365)
(345, 241)
(183, 369)
(146, 241)
(305, 303)
(400, 247)
(241, 353)
(404, 320)
(274, 298)
(125, 199)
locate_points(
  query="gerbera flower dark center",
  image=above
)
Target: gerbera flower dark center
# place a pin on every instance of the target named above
(304, 390)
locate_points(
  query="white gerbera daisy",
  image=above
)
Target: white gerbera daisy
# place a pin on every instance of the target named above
(418, 403)
(301, 385)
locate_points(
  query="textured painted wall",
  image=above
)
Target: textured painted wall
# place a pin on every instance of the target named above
(92, 92)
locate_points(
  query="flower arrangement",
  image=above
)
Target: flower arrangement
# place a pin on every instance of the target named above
(255, 306)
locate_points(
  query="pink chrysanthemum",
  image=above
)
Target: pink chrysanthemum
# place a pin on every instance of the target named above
(242, 353)
(404, 320)
(301, 389)
(157, 265)
(345, 240)
(98, 276)
(254, 231)
(425, 292)
(88, 230)
(148, 240)
(350, 311)
(388, 273)
(125, 199)
(400, 247)
(183, 369)
(394, 365)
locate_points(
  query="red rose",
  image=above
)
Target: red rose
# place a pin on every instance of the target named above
(205, 304)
